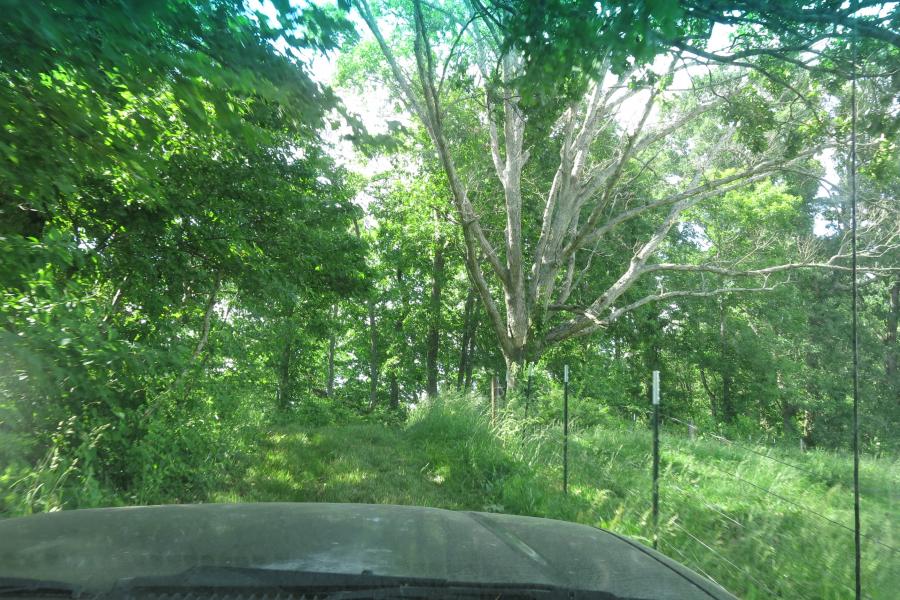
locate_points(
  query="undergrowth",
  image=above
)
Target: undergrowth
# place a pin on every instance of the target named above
(449, 455)
(738, 517)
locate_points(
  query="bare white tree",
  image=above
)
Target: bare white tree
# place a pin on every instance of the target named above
(583, 203)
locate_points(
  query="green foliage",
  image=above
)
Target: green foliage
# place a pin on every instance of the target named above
(563, 42)
(100, 80)
(194, 305)
(171, 225)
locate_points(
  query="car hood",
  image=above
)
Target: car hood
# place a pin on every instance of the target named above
(96, 547)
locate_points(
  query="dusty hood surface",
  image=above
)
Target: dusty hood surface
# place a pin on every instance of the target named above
(95, 548)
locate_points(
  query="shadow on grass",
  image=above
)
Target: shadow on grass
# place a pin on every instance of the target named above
(370, 463)
(351, 463)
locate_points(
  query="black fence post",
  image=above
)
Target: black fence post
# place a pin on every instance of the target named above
(655, 459)
(495, 391)
(528, 388)
(566, 429)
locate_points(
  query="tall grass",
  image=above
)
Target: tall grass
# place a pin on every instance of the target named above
(448, 454)
(718, 512)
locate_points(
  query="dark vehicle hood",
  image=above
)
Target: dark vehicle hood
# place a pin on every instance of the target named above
(95, 548)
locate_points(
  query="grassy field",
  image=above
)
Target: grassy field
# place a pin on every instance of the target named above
(715, 516)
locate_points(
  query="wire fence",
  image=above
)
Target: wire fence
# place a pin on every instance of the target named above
(805, 509)
(746, 447)
(707, 551)
(748, 533)
(744, 571)
(693, 498)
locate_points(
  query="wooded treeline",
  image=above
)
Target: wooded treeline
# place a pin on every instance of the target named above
(184, 257)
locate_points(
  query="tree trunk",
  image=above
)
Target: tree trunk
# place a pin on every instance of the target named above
(891, 358)
(728, 412)
(398, 342)
(470, 356)
(283, 397)
(494, 399)
(113, 308)
(332, 342)
(207, 319)
(373, 355)
(713, 403)
(468, 317)
(808, 434)
(434, 316)
(788, 412)
(727, 404)
(514, 367)
(284, 391)
(394, 392)
(204, 332)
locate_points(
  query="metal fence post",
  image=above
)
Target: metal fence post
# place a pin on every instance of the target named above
(566, 429)
(493, 399)
(655, 459)
(528, 388)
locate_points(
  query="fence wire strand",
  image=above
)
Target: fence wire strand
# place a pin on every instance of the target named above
(747, 447)
(802, 507)
(687, 559)
(721, 557)
(750, 533)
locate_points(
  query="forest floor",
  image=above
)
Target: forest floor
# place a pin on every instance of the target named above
(718, 514)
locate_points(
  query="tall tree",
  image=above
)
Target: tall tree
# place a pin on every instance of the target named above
(595, 166)
(434, 311)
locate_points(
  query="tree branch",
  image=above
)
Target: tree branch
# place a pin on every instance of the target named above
(760, 272)
(555, 336)
(430, 117)
(700, 192)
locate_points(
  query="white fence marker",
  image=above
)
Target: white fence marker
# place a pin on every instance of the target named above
(655, 387)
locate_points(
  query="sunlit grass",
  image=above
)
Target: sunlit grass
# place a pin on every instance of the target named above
(449, 456)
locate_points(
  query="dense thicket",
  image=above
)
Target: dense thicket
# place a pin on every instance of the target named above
(184, 258)
(172, 230)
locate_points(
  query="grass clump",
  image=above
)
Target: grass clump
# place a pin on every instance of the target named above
(446, 455)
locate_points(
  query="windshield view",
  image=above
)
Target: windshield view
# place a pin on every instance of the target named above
(450, 298)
